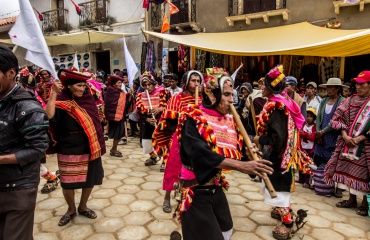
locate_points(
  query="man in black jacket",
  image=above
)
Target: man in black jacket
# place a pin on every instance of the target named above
(23, 142)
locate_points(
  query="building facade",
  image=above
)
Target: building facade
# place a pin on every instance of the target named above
(238, 15)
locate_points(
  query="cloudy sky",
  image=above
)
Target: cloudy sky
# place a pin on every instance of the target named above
(9, 8)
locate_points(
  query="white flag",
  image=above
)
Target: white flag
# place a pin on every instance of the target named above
(75, 62)
(236, 72)
(26, 32)
(130, 65)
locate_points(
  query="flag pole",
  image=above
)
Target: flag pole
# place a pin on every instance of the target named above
(15, 48)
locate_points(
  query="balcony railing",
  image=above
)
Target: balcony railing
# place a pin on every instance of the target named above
(55, 20)
(240, 7)
(93, 13)
(187, 12)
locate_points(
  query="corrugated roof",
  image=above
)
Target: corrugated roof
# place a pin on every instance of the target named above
(7, 21)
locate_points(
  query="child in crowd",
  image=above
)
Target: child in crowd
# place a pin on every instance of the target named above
(307, 135)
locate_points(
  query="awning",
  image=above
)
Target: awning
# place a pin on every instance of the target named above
(295, 39)
(85, 37)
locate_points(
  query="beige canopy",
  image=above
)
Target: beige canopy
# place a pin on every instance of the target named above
(295, 39)
(85, 37)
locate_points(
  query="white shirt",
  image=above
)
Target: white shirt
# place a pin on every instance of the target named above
(174, 91)
(314, 103)
(307, 144)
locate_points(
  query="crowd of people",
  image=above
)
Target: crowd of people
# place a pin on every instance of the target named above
(320, 142)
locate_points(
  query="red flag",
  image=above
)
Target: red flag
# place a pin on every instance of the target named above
(173, 9)
(165, 25)
(78, 10)
(40, 15)
(146, 3)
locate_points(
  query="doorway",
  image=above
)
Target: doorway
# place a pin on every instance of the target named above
(103, 61)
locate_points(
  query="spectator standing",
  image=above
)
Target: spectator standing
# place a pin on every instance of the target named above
(349, 166)
(311, 97)
(291, 85)
(326, 136)
(173, 89)
(23, 141)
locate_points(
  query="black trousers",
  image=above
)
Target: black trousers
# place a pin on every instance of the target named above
(17, 210)
(208, 216)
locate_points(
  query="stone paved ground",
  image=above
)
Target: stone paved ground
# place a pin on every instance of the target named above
(129, 206)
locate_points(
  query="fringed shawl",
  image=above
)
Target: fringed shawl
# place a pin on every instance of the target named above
(115, 101)
(85, 112)
(225, 148)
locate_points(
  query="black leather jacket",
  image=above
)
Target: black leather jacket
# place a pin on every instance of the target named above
(23, 132)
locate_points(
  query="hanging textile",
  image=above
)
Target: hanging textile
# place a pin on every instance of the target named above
(328, 68)
(200, 60)
(183, 58)
(159, 54)
(225, 61)
(215, 60)
(144, 46)
(150, 58)
(285, 60)
(295, 67)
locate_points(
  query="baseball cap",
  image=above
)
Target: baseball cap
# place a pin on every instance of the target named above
(313, 84)
(291, 80)
(362, 77)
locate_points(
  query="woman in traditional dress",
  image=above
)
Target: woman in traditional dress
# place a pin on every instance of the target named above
(115, 102)
(349, 166)
(79, 141)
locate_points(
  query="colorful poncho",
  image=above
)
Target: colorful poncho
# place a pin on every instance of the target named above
(219, 131)
(294, 157)
(353, 173)
(161, 136)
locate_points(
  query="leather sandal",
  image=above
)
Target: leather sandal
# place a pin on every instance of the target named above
(346, 204)
(167, 207)
(115, 153)
(362, 211)
(89, 214)
(151, 161)
(66, 219)
(162, 167)
(281, 232)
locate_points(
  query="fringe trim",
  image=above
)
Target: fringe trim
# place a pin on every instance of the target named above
(207, 133)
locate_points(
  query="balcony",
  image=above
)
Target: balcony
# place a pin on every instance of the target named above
(186, 17)
(246, 10)
(341, 3)
(94, 13)
(55, 20)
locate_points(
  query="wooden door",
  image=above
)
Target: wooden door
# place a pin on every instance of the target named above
(252, 6)
(183, 15)
(101, 11)
(268, 5)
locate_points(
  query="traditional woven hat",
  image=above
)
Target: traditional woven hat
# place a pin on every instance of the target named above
(147, 77)
(67, 76)
(186, 77)
(113, 79)
(275, 80)
(28, 79)
(213, 86)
